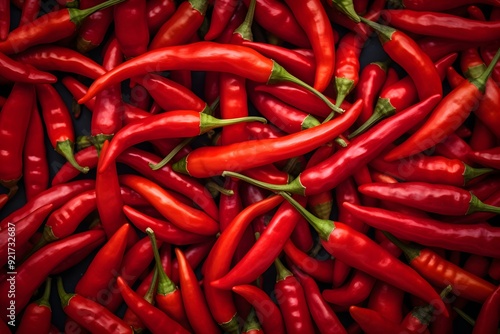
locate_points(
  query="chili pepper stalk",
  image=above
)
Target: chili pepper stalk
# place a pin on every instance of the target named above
(369, 257)
(347, 7)
(38, 314)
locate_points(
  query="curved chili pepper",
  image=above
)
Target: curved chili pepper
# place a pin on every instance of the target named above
(430, 169)
(131, 27)
(278, 19)
(454, 147)
(219, 259)
(319, 270)
(347, 65)
(487, 320)
(165, 231)
(476, 239)
(489, 157)
(354, 292)
(194, 254)
(158, 12)
(49, 28)
(23, 230)
(313, 19)
(89, 314)
(372, 322)
(59, 58)
(371, 80)
(18, 71)
(58, 123)
(235, 59)
(100, 274)
(32, 272)
(93, 29)
(387, 301)
(196, 307)
(400, 95)
(448, 115)
(166, 177)
(221, 14)
(283, 116)
(14, 124)
(441, 273)
(268, 313)
(37, 315)
(329, 173)
(370, 257)
(87, 157)
(437, 24)
(241, 156)
(442, 199)
(292, 301)
(35, 164)
(323, 316)
(181, 25)
(299, 65)
(487, 53)
(273, 239)
(57, 196)
(181, 215)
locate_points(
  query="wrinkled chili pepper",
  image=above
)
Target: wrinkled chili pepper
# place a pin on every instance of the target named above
(476, 239)
(240, 156)
(37, 315)
(370, 257)
(48, 28)
(58, 123)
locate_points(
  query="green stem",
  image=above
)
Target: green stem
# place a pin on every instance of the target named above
(465, 316)
(476, 205)
(63, 295)
(215, 188)
(149, 296)
(165, 284)
(281, 271)
(245, 28)
(172, 154)
(410, 252)
(44, 300)
(199, 5)
(384, 32)
(252, 323)
(344, 86)
(480, 82)
(280, 74)
(208, 122)
(294, 187)
(65, 148)
(78, 15)
(347, 7)
(471, 173)
(324, 227)
(383, 109)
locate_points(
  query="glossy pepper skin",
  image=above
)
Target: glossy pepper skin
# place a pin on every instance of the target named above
(37, 316)
(19, 72)
(488, 318)
(131, 27)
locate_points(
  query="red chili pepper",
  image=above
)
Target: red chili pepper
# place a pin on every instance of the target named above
(432, 6)
(268, 313)
(322, 314)
(153, 318)
(196, 307)
(219, 259)
(58, 58)
(487, 53)
(313, 19)
(94, 27)
(450, 113)
(229, 204)
(321, 270)
(347, 65)
(430, 169)
(4, 19)
(249, 154)
(194, 254)
(51, 27)
(58, 123)
(14, 124)
(87, 157)
(356, 291)
(179, 28)
(17, 70)
(131, 27)
(489, 157)
(32, 272)
(481, 138)
(57, 196)
(221, 14)
(400, 95)
(273, 239)
(100, 274)
(387, 301)
(328, 174)
(372, 322)
(165, 231)
(37, 315)
(35, 164)
(441, 273)
(292, 301)
(371, 81)
(369, 257)
(494, 269)
(201, 56)
(158, 12)
(21, 232)
(438, 25)
(477, 239)
(488, 318)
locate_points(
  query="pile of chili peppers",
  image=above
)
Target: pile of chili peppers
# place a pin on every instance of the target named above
(238, 166)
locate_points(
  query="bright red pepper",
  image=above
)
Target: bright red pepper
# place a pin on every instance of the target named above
(356, 291)
(4, 19)
(94, 27)
(131, 27)
(372, 322)
(387, 300)
(37, 316)
(221, 14)
(371, 80)
(19, 71)
(158, 12)
(347, 65)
